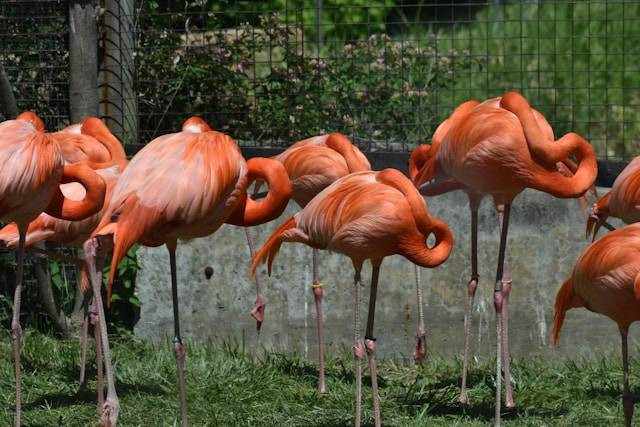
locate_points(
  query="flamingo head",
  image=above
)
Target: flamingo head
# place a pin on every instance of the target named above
(195, 124)
(31, 117)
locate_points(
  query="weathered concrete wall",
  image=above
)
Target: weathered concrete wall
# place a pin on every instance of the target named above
(545, 239)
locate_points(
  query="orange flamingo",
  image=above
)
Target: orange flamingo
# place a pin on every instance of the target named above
(33, 168)
(365, 215)
(421, 164)
(95, 146)
(622, 201)
(606, 280)
(312, 165)
(180, 186)
(500, 152)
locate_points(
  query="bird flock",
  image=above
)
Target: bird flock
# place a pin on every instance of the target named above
(76, 187)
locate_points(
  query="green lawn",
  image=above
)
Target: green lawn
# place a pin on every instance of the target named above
(227, 387)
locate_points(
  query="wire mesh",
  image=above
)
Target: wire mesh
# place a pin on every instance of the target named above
(384, 72)
(33, 50)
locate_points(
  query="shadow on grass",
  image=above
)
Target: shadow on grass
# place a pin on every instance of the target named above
(438, 399)
(88, 395)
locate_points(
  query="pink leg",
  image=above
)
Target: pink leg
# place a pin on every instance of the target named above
(111, 408)
(471, 292)
(421, 336)
(370, 342)
(177, 340)
(93, 316)
(506, 360)
(627, 399)
(85, 333)
(258, 307)
(16, 329)
(317, 296)
(358, 352)
(498, 297)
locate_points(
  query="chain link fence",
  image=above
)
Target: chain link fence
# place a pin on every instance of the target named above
(383, 72)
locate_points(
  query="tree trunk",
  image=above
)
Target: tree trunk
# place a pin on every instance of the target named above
(83, 59)
(118, 101)
(47, 297)
(8, 106)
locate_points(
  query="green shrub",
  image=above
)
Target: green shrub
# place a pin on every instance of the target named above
(260, 84)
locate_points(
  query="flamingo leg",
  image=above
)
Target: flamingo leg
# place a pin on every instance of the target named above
(16, 329)
(317, 296)
(85, 333)
(506, 360)
(472, 285)
(93, 317)
(258, 307)
(358, 352)
(421, 336)
(95, 263)
(498, 304)
(177, 340)
(370, 341)
(627, 399)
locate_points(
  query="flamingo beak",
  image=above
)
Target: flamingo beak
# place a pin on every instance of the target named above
(593, 225)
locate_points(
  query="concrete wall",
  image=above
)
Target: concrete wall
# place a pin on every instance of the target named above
(545, 238)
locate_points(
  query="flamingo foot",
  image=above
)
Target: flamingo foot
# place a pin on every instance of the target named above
(421, 347)
(110, 412)
(509, 404)
(463, 399)
(257, 312)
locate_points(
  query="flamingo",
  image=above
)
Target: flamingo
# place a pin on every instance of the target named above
(312, 165)
(179, 186)
(606, 280)
(365, 215)
(421, 164)
(33, 169)
(95, 146)
(622, 201)
(500, 152)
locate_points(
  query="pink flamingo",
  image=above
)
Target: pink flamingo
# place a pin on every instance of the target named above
(622, 201)
(33, 169)
(179, 186)
(501, 151)
(312, 165)
(606, 280)
(365, 215)
(92, 144)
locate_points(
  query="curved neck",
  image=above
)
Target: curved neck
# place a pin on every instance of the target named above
(417, 160)
(415, 249)
(71, 210)
(94, 127)
(356, 161)
(250, 212)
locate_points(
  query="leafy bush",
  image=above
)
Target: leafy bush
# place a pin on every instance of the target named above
(260, 84)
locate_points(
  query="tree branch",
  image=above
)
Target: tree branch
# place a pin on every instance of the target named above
(8, 106)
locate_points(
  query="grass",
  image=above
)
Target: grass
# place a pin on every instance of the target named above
(227, 387)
